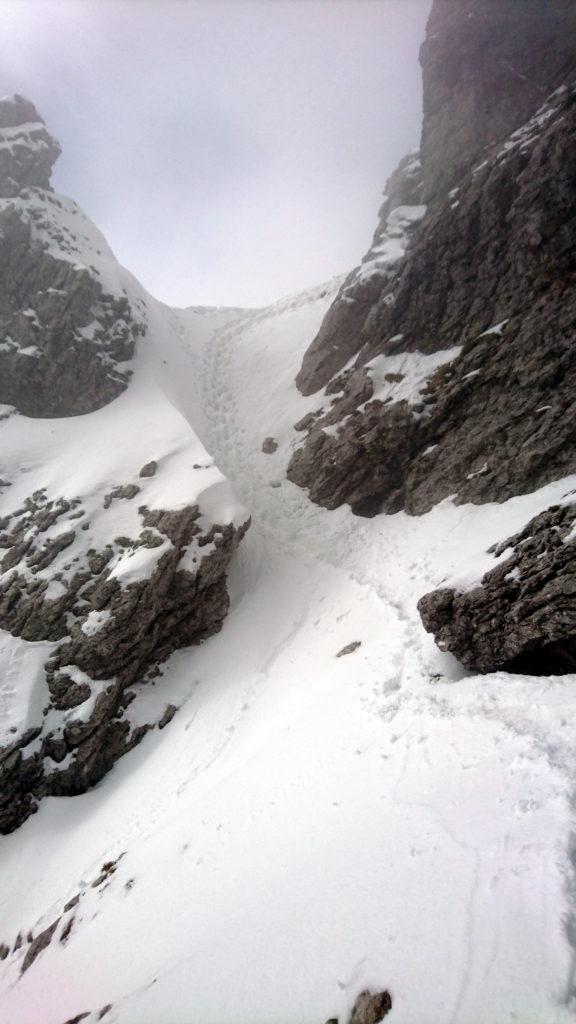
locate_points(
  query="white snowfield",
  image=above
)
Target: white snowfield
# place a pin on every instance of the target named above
(307, 826)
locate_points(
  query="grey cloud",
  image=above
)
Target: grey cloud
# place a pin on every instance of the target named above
(231, 150)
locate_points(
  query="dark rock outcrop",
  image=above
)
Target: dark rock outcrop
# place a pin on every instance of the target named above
(487, 66)
(27, 150)
(269, 445)
(337, 340)
(111, 635)
(349, 648)
(38, 945)
(371, 1007)
(521, 616)
(64, 335)
(464, 370)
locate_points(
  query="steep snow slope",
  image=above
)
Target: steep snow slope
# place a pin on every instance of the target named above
(310, 824)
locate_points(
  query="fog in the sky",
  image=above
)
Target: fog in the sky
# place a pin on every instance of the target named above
(231, 151)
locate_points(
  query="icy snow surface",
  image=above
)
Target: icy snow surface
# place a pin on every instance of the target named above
(309, 825)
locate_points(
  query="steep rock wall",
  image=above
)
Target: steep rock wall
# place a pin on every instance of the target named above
(454, 375)
(485, 286)
(66, 332)
(487, 66)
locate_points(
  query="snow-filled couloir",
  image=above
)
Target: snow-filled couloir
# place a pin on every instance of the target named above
(309, 825)
(241, 783)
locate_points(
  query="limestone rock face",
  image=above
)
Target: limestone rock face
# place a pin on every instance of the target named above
(66, 333)
(65, 341)
(27, 150)
(109, 637)
(461, 365)
(487, 66)
(451, 371)
(337, 339)
(116, 529)
(521, 615)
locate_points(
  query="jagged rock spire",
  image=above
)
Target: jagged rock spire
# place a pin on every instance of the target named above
(16, 110)
(27, 150)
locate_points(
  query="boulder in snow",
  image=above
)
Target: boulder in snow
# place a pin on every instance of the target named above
(520, 615)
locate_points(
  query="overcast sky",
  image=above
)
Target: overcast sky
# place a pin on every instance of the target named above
(232, 151)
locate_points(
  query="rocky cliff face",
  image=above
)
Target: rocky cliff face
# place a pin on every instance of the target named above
(27, 150)
(455, 370)
(116, 529)
(487, 67)
(337, 340)
(483, 290)
(67, 332)
(471, 391)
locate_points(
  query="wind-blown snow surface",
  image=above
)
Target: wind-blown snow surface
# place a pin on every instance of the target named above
(310, 825)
